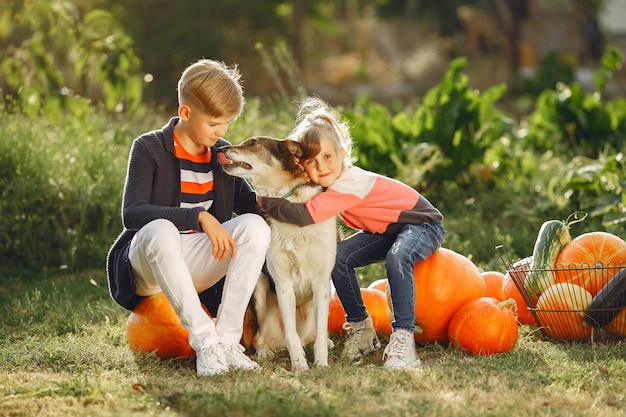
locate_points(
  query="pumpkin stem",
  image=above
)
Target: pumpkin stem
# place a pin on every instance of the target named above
(578, 216)
(418, 330)
(510, 303)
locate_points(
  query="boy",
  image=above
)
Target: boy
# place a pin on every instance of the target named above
(179, 234)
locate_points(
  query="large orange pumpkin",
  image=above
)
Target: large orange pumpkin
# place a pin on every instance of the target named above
(376, 304)
(444, 282)
(485, 326)
(617, 326)
(379, 284)
(154, 327)
(561, 311)
(510, 290)
(590, 252)
(493, 284)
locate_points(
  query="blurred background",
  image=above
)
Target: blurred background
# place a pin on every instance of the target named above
(505, 113)
(387, 49)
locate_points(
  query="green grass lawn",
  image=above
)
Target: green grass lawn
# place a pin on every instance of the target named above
(63, 352)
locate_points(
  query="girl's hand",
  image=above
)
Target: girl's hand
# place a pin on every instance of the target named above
(221, 241)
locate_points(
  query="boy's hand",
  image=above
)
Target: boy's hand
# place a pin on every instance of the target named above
(221, 241)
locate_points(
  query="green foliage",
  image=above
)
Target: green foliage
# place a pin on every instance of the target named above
(461, 122)
(51, 56)
(597, 186)
(60, 188)
(61, 179)
(170, 38)
(611, 61)
(553, 68)
(377, 142)
(567, 120)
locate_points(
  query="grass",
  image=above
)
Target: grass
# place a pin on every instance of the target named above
(63, 351)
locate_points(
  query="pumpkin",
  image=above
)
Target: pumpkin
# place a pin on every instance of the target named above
(493, 284)
(376, 304)
(336, 314)
(153, 326)
(379, 284)
(444, 282)
(510, 290)
(583, 262)
(485, 326)
(617, 326)
(561, 311)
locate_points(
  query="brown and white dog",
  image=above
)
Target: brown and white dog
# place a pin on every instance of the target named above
(299, 259)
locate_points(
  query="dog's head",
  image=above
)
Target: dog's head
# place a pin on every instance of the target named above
(263, 159)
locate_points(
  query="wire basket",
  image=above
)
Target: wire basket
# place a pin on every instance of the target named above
(575, 300)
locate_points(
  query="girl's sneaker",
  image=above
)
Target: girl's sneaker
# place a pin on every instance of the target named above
(400, 352)
(362, 339)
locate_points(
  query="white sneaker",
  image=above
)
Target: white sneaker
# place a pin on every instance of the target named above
(400, 352)
(211, 360)
(235, 358)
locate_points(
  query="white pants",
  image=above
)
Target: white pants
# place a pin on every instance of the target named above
(181, 265)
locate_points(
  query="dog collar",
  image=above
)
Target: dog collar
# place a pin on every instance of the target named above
(293, 190)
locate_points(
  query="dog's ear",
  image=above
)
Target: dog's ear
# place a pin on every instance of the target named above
(294, 148)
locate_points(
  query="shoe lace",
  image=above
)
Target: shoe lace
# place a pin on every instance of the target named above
(396, 347)
(213, 357)
(235, 352)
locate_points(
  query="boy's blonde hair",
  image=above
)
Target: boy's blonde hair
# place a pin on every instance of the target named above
(212, 87)
(316, 119)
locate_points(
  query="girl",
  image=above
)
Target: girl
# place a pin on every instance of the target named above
(394, 224)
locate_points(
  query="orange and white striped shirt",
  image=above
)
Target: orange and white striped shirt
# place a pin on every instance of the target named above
(196, 178)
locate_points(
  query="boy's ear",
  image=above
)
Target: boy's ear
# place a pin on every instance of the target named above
(184, 111)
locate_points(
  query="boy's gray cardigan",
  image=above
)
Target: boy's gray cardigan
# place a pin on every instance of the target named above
(152, 191)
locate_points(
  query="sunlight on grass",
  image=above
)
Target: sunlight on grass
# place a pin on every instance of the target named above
(86, 369)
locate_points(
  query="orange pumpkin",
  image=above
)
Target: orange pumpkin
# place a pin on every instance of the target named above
(444, 282)
(485, 326)
(376, 304)
(154, 327)
(561, 311)
(510, 290)
(336, 314)
(617, 326)
(590, 251)
(493, 284)
(379, 284)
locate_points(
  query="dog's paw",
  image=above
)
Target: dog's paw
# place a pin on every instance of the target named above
(299, 366)
(264, 353)
(321, 363)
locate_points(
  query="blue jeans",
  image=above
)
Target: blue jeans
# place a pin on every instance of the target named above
(400, 250)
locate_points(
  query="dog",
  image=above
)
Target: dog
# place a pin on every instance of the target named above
(299, 260)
